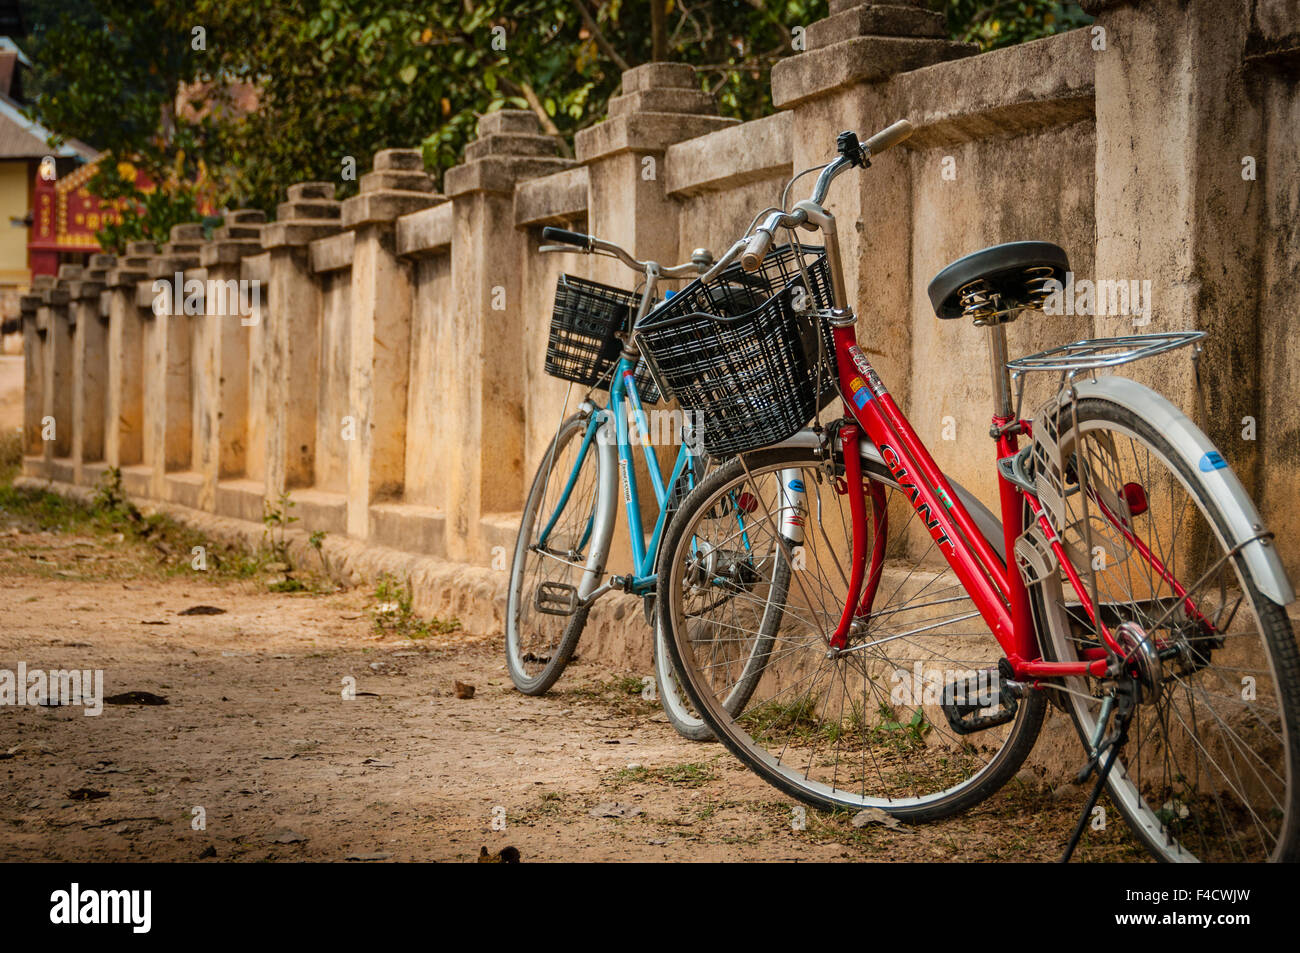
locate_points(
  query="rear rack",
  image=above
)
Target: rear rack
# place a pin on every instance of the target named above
(1043, 467)
(1094, 353)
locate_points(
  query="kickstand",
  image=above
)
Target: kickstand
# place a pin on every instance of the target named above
(1113, 743)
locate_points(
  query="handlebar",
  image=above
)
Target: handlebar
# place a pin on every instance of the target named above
(756, 249)
(753, 249)
(590, 244)
(888, 137)
(758, 246)
(566, 237)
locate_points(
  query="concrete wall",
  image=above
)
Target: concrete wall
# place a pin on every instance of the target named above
(392, 379)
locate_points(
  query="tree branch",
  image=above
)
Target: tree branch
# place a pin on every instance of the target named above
(603, 44)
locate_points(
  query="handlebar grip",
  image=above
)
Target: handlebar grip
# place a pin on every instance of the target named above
(889, 137)
(563, 235)
(756, 250)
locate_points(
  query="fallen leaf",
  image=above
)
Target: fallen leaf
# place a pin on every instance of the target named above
(874, 815)
(136, 698)
(86, 794)
(506, 855)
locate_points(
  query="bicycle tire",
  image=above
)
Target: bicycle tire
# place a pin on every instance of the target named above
(558, 650)
(1164, 829)
(1002, 764)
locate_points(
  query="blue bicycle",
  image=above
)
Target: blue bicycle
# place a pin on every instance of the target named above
(568, 523)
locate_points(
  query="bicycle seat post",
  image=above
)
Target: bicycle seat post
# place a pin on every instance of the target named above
(1002, 403)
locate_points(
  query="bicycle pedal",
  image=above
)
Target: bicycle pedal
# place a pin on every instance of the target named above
(556, 598)
(976, 702)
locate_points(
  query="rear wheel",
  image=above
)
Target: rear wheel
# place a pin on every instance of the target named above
(543, 621)
(864, 727)
(1209, 770)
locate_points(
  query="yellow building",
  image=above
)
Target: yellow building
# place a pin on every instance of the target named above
(25, 154)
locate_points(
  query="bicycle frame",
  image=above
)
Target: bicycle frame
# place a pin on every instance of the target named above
(644, 553)
(997, 589)
(623, 390)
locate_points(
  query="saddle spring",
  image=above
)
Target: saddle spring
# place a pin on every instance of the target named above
(984, 305)
(980, 302)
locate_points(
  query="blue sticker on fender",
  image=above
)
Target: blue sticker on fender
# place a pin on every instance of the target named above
(796, 486)
(1212, 461)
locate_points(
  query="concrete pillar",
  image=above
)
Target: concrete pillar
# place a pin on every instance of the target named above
(244, 497)
(168, 391)
(381, 329)
(221, 354)
(89, 367)
(1175, 117)
(484, 462)
(841, 82)
(290, 334)
(661, 104)
(33, 385)
(56, 413)
(124, 406)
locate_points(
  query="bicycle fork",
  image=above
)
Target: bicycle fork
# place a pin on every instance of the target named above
(607, 499)
(860, 598)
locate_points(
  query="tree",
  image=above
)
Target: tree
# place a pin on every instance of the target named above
(108, 72)
(998, 23)
(334, 81)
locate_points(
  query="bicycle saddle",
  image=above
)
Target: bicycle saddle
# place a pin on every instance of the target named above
(997, 280)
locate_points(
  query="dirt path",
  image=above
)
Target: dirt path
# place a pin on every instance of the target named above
(258, 735)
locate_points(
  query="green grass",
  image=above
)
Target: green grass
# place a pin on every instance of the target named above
(690, 774)
(393, 612)
(11, 456)
(110, 514)
(624, 693)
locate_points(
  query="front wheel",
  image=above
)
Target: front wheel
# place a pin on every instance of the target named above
(544, 614)
(1209, 769)
(863, 727)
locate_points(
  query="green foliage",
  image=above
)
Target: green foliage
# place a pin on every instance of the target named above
(111, 513)
(11, 455)
(337, 80)
(108, 72)
(275, 522)
(997, 23)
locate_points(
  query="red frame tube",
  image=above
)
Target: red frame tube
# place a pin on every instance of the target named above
(996, 588)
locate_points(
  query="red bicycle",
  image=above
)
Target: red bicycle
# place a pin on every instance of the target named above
(1129, 580)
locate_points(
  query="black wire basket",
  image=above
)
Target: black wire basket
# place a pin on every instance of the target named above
(583, 345)
(747, 353)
